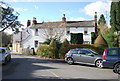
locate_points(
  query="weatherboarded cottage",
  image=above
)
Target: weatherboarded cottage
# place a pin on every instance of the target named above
(36, 33)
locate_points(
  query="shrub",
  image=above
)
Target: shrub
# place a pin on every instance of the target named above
(47, 41)
(100, 41)
(93, 37)
(98, 49)
(53, 48)
(64, 48)
(76, 38)
(44, 51)
(110, 38)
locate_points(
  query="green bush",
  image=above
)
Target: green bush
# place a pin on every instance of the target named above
(44, 51)
(53, 49)
(64, 48)
(76, 38)
(93, 37)
(98, 49)
(110, 38)
(47, 41)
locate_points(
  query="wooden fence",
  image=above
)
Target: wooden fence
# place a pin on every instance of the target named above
(28, 51)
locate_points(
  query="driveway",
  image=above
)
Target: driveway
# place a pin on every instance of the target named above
(24, 67)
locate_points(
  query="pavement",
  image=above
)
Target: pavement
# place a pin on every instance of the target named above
(30, 68)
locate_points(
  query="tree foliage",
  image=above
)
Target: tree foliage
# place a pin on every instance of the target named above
(6, 39)
(53, 49)
(115, 16)
(102, 19)
(8, 18)
(64, 48)
(110, 37)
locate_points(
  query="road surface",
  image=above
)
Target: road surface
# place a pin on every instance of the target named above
(26, 67)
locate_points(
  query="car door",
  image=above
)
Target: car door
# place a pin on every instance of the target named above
(86, 56)
(75, 55)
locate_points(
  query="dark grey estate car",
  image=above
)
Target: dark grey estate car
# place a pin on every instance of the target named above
(84, 56)
(111, 59)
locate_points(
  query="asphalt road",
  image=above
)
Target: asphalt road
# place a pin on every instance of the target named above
(24, 67)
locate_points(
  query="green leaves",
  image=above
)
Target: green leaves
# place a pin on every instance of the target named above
(8, 18)
(102, 19)
(115, 16)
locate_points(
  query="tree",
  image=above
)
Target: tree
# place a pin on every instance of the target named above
(6, 39)
(115, 16)
(110, 38)
(64, 48)
(102, 19)
(53, 30)
(8, 18)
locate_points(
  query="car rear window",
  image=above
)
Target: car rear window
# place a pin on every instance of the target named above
(112, 52)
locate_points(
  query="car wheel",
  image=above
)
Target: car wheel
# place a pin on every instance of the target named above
(98, 63)
(9, 59)
(70, 61)
(5, 62)
(116, 68)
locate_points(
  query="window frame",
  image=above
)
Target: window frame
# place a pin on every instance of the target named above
(36, 32)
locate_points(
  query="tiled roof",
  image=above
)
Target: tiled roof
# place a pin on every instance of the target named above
(89, 23)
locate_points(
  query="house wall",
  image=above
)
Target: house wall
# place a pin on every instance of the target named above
(86, 37)
(29, 36)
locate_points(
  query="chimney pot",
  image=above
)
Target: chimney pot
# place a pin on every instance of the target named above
(95, 17)
(64, 18)
(28, 23)
(34, 21)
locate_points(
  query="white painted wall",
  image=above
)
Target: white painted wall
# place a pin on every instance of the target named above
(29, 39)
(81, 30)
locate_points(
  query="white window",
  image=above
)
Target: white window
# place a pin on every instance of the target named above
(85, 31)
(67, 30)
(36, 43)
(36, 32)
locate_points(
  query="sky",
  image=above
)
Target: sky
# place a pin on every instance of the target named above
(53, 11)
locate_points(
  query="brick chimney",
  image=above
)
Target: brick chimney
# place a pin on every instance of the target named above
(34, 21)
(95, 19)
(64, 18)
(28, 23)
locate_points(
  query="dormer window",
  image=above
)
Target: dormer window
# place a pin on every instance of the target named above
(36, 32)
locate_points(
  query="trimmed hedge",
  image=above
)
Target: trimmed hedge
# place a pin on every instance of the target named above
(51, 51)
(98, 49)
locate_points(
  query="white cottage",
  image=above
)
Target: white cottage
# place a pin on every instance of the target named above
(37, 33)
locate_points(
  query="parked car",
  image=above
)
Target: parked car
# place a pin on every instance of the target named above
(5, 55)
(83, 56)
(111, 59)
